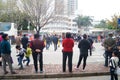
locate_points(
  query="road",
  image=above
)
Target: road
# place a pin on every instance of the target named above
(55, 57)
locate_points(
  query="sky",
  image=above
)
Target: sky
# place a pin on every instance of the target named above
(99, 9)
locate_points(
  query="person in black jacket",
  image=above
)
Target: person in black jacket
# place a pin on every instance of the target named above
(24, 41)
(84, 46)
(55, 42)
(48, 41)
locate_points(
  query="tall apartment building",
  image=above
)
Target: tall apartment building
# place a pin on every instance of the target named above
(72, 6)
(66, 7)
(59, 7)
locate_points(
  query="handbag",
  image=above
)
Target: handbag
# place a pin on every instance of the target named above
(118, 70)
(0, 59)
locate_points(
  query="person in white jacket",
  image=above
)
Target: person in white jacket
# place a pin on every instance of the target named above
(113, 65)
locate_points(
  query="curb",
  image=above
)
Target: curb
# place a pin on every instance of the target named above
(51, 75)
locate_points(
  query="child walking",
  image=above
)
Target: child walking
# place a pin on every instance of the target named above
(113, 65)
(27, 55)
(20, 56)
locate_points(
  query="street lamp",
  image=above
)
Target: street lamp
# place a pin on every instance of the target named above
(28, 27)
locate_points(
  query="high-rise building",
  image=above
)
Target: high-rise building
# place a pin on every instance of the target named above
(66, 7)
(59, 7)
(72, 6)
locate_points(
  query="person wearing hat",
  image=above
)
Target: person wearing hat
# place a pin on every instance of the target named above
(109, 44)
(6, 54)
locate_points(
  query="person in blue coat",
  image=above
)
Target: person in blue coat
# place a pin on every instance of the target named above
(6, 54)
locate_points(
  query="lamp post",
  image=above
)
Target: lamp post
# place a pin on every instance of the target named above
(28, 26)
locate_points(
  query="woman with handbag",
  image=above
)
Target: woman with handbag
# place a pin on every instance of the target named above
(113, 65)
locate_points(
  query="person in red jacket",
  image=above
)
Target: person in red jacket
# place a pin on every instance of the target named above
(67, 44)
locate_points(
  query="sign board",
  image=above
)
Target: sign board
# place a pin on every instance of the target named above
(118, 22)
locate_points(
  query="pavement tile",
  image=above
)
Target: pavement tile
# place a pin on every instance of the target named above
(57, 69)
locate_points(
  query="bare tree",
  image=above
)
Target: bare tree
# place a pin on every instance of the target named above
(41, 12)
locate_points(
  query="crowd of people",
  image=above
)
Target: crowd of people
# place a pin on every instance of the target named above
(35, 48)
(25, 47)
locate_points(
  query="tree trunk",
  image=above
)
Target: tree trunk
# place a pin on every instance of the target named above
(38, 30)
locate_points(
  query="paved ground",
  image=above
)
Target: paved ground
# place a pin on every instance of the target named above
(53, 65)
(55, 71)
(55, 57)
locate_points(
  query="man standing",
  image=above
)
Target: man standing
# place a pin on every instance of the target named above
(84, 45)
(18, 40)
(37, 47)
(109, 45)
(91, 42)
(6, 54)
(55, 42)
(24, 41)
(48, 41)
